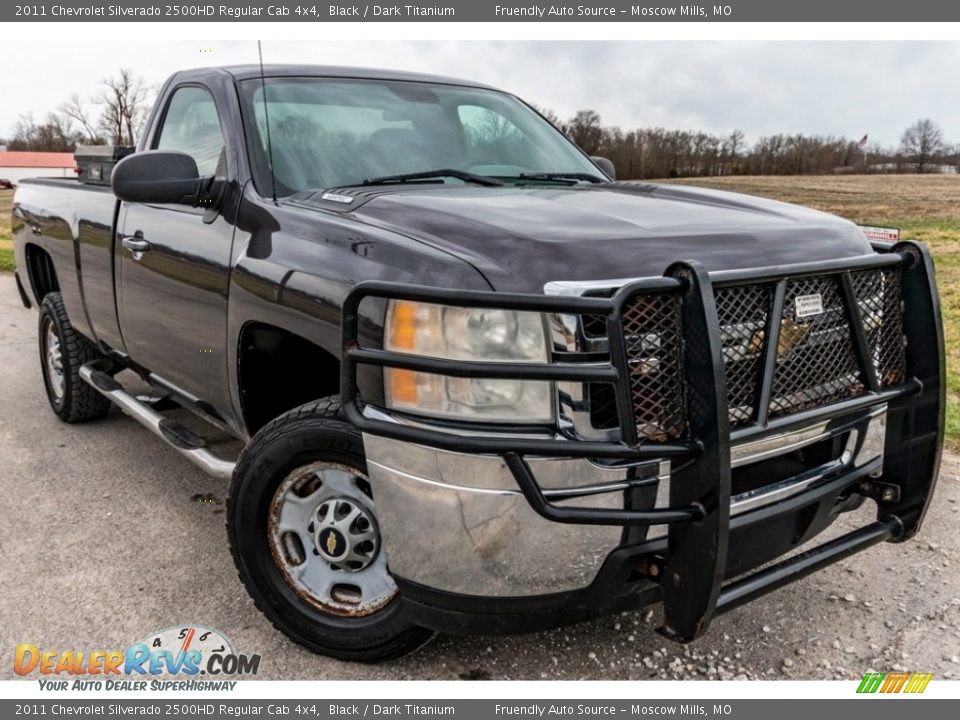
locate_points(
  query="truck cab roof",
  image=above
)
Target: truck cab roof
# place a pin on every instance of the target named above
(252, 71)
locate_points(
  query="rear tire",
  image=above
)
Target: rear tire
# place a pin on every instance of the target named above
(302, 470)
(62, 353)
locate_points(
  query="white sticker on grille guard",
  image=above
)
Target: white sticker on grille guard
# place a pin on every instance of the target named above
(808, 305)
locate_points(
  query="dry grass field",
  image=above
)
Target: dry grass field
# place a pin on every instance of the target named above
(925, 207)
(6, 244)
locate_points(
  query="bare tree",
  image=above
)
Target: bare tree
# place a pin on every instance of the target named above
(124, 99)
(730, 149)
(586, 130)
(55, 134)
(24, 133)
(768, 150)
(551, 117)
(922, 143)
(76, 109)
(657, 152)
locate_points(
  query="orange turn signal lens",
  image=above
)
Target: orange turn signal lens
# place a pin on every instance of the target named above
(401, 386)
(403, 328)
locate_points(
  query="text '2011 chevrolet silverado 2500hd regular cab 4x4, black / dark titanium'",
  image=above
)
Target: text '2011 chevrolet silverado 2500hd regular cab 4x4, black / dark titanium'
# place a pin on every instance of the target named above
(482, 386)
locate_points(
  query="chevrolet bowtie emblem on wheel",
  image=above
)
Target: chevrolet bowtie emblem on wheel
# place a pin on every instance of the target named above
(332, 543)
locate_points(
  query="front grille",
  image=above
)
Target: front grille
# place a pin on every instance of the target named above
(816, 360)
(652, 339)
(878, 295)
(743, 314)
(816, 363)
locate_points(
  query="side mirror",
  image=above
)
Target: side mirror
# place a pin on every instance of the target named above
(157, 176)
(606, 165)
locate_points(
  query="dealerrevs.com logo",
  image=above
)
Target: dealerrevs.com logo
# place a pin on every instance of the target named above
(179, 652)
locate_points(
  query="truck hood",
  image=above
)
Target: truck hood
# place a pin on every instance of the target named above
(522, 238)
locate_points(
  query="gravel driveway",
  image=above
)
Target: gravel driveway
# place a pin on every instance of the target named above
(107, 535)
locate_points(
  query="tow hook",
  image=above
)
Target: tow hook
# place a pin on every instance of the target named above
(879, 491)
(651, 566)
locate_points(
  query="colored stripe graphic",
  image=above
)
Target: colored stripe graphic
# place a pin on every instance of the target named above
(918, 683)
(896, 682)
(870, 683)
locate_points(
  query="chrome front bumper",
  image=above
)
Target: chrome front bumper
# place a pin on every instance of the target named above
(457, 522)
(460, 544)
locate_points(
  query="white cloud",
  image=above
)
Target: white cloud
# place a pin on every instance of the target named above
(837, 88)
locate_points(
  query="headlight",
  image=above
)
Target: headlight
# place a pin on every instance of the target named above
(467, 334)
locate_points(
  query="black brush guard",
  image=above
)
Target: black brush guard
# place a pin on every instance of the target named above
(690, 568)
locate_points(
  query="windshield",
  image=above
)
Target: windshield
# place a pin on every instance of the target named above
(328, 133)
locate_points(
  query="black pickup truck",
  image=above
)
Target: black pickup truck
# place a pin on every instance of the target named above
(482, 387)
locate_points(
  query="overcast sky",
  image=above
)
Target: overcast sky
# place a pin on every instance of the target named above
(847, 89)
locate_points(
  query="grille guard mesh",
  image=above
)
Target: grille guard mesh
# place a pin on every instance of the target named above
(816, 362)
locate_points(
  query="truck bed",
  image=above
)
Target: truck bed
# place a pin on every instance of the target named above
(74, 223)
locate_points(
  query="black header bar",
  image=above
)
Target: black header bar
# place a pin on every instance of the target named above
(485, 11)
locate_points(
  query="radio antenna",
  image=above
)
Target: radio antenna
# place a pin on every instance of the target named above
(266, 119)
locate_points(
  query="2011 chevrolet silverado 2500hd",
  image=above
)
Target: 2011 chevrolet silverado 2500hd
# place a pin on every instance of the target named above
(482, 387)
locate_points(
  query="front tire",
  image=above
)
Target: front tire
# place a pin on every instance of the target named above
(303, 533)
(62, 353)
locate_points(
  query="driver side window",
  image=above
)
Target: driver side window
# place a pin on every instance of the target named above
(192, 125)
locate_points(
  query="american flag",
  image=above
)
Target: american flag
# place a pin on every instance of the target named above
(863, 141)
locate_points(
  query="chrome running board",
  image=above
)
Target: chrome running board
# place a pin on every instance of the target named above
(179, 437)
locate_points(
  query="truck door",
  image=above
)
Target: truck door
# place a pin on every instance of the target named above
(175, 264)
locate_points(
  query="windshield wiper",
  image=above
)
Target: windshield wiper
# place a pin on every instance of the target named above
(571, 177)
(431, 174)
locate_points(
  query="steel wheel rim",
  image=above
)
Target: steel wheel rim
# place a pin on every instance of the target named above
(325, 540)
(53, 353)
